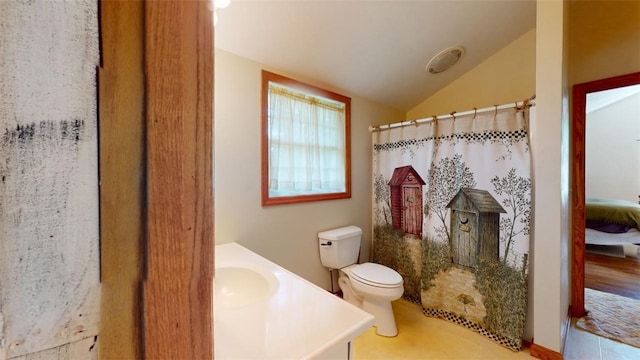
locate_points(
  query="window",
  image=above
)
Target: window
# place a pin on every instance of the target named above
(306, 145)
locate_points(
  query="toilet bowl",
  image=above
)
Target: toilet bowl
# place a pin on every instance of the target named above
(369, 286)
(372, 287)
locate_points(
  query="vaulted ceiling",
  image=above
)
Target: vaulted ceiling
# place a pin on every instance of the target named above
(373, 49)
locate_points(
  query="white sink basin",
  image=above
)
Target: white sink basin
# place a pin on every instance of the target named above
(237, 286)
(263, 311)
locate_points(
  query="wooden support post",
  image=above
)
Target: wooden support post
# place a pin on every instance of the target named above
(179, 89)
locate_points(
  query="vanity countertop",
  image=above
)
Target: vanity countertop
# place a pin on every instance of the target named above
(299, 320)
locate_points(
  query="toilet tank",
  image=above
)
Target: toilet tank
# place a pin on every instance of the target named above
(339, 247)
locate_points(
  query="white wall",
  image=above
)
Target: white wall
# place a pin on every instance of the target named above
(612, 161)
(284, 234)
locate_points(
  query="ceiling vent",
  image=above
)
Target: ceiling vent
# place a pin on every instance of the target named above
(445, 59)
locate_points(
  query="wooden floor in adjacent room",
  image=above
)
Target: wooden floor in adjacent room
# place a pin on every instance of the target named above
(616, 275)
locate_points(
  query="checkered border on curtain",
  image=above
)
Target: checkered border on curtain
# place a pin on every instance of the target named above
(508, 343)
(468, 137)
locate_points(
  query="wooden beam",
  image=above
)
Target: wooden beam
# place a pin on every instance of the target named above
(179, 89)
(122, 191)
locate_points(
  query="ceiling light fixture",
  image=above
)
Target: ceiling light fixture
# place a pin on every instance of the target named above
(445, 59)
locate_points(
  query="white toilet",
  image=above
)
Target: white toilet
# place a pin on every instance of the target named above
(371, 287)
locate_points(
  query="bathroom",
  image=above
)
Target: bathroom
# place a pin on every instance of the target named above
(292, 229)
(278, 232)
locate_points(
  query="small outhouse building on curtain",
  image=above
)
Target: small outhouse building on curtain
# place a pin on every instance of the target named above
(475, 226)
(406, 200)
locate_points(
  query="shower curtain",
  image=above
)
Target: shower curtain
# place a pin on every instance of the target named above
(452, 206)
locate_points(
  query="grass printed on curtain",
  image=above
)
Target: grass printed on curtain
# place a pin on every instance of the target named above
(452, 208)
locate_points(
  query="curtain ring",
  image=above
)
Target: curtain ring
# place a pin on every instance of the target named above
(435, 119)
(453, 114)
(475, 112)
(414, 122)
(496, 113)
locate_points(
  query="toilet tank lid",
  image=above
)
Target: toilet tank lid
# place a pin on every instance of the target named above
(340, 233)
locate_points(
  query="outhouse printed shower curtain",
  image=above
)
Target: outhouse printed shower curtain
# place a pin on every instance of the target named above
(452, 206)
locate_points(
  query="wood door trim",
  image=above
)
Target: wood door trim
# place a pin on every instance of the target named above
(579, 98)
(178, 312)
(121, 157)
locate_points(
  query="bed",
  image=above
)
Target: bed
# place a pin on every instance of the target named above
(612, 227)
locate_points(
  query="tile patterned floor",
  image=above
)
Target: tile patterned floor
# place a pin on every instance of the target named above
(583, 345)
(421, 337)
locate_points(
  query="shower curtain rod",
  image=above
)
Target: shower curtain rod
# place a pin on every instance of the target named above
(527, 103)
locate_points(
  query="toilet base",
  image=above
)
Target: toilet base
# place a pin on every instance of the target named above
(348, 293)
(385, 321)
(378, 306)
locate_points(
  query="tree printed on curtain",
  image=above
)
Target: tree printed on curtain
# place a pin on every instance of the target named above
(469, 261)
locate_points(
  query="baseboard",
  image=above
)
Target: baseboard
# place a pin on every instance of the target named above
(543, 353)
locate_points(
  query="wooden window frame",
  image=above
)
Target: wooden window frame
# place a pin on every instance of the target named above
(268, 200)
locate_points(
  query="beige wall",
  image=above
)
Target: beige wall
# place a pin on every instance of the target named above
(613, 151)
(507, 76)
(284, 234)
(577, 41)
(604, 39)
(549, 143)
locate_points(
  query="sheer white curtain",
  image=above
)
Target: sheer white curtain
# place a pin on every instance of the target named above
(306, 143)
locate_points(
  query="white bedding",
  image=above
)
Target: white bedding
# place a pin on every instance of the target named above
(595, 237)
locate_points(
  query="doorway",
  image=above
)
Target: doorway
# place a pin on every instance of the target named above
(578, 198)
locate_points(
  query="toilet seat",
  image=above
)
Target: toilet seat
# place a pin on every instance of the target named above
(376, 275)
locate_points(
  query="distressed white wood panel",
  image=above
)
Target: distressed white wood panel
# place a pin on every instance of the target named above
(85, 349)
(49, 236)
